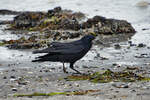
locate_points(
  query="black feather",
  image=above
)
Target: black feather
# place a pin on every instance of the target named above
(66, 52)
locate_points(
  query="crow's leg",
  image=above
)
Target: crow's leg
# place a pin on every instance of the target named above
(71, 66)
(64, 68)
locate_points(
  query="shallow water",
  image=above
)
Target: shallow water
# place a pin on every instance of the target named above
(119, 9)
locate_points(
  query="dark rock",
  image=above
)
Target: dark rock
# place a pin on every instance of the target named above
(117, 46)
(4, 77)
(108, 26)
(12, 77)
(40, 71)
(145, 29)
(58, 24)
(144, 55)
(148, 47)
(50, 13)
(119, 85)
(14, 89)
(114, 64)
(141, 45)
(8, 12)
(57, 9)
(69, 24)
(46, 70)
(78, 15)
(22, 83)
(99, 18)
(27, 20)
(131, 44)
(13, 70)
(104, 58)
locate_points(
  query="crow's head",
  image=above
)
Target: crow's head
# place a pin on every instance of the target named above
(88, 38)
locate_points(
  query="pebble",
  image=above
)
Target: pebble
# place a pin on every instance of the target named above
(14, 89)
(145, 29)
(23, 83)
(40, 71)
(117, 46)
(13, 70)
(120, 85)
(131, 44)
(12, 77)
(4, 77)
(133, 91)
(46, 70)
(76, 84)
(141, 45)
(124, 86)
(104, 58)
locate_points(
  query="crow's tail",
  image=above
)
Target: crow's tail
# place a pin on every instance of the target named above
(47, 57)
(38, 51)
(38, 60)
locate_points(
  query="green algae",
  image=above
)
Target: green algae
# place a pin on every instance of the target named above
(2, 43)
(126, 75)
(81, 92)
(40, 94)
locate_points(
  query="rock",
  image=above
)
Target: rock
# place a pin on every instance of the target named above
(54, 19)
(60, 19)
(57, 9)
(131, 44)
(14, 89)
(4, 77)
(70, 24)
(104, 58)
(52, 12)
(120, 85)
(8, 12)
(117, 46)
(141, 45)
(58, 24)
(143, 55)
(22, 82)
(27, 20)
(93, 21)
(108, 26)
(12, 77)
(13, 70)
(145, 29)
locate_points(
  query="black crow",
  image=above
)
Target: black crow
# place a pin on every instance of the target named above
(66, 52)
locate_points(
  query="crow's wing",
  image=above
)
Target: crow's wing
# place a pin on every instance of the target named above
(63, 48)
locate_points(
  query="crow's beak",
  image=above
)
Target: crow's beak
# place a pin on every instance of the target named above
(94, 34)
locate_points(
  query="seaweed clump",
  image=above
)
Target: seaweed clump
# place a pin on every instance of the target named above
(24, 43)
(58, 24)
(102, 25)
(109, 76)
(58, 19)
(79, 92)
(54, 19)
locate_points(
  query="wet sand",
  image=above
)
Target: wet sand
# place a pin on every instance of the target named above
(27, 77)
